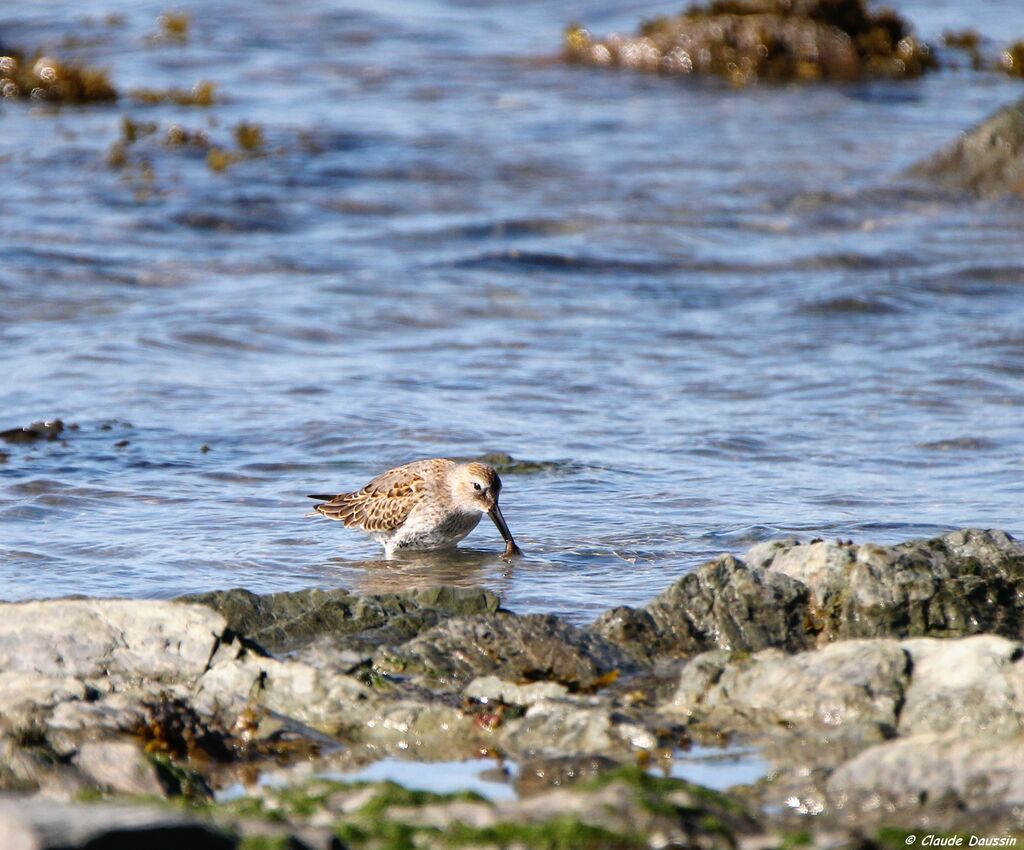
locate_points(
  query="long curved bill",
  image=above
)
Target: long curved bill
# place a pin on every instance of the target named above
(499, 521)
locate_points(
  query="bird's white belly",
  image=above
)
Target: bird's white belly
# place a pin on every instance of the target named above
(435, 532)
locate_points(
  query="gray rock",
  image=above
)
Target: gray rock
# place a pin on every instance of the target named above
(848, 688)
(723, 604)
(941, 778)
(108, 643)
(532, 648)
(556, 728)
(120, 767)
(974, 686)
(24, 693)
(49, 825)
(286, 621)
(793, 596)
(987, 160)
(28, 765)
(493, 689)
(966, 582)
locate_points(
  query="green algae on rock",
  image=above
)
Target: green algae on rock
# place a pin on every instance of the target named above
(749, 40)
(790, 595)
(624, 809)
(52, 80)
(288, 620)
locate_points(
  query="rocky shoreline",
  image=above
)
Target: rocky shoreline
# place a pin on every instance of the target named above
(883, 686)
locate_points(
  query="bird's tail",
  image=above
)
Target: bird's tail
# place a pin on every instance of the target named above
(322, 498)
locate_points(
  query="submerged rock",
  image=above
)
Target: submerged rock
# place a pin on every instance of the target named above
(748, 40)
(539, 775)
(988, 160)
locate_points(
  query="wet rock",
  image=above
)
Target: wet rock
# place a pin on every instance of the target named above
(749, 40)
(50, 825)
(851, 688)
(987, 160)
(538, 775)
(285, 621)
(962, 583)
(527, 648)
(46, 430)
(720, 605)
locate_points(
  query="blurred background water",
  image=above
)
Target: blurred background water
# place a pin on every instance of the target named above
(718, 315)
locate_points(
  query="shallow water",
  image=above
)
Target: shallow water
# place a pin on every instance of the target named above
(722, 315)
(715, 768)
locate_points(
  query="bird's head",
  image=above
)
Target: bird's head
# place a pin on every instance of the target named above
(476, 487)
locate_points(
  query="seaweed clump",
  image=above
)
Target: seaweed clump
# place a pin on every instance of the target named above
(201, 94)
(248, 137)
(969, 41)
(47, 430)
(1011, 60)
(47, 78)
(172, 27)
(749, 40)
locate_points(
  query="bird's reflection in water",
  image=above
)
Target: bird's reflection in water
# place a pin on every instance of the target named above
(460, 567)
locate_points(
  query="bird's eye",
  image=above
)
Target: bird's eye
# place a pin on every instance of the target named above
(476, 486)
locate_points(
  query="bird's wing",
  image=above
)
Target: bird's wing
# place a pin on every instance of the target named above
(382, 505)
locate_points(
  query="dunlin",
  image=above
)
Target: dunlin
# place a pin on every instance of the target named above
(426, 504)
